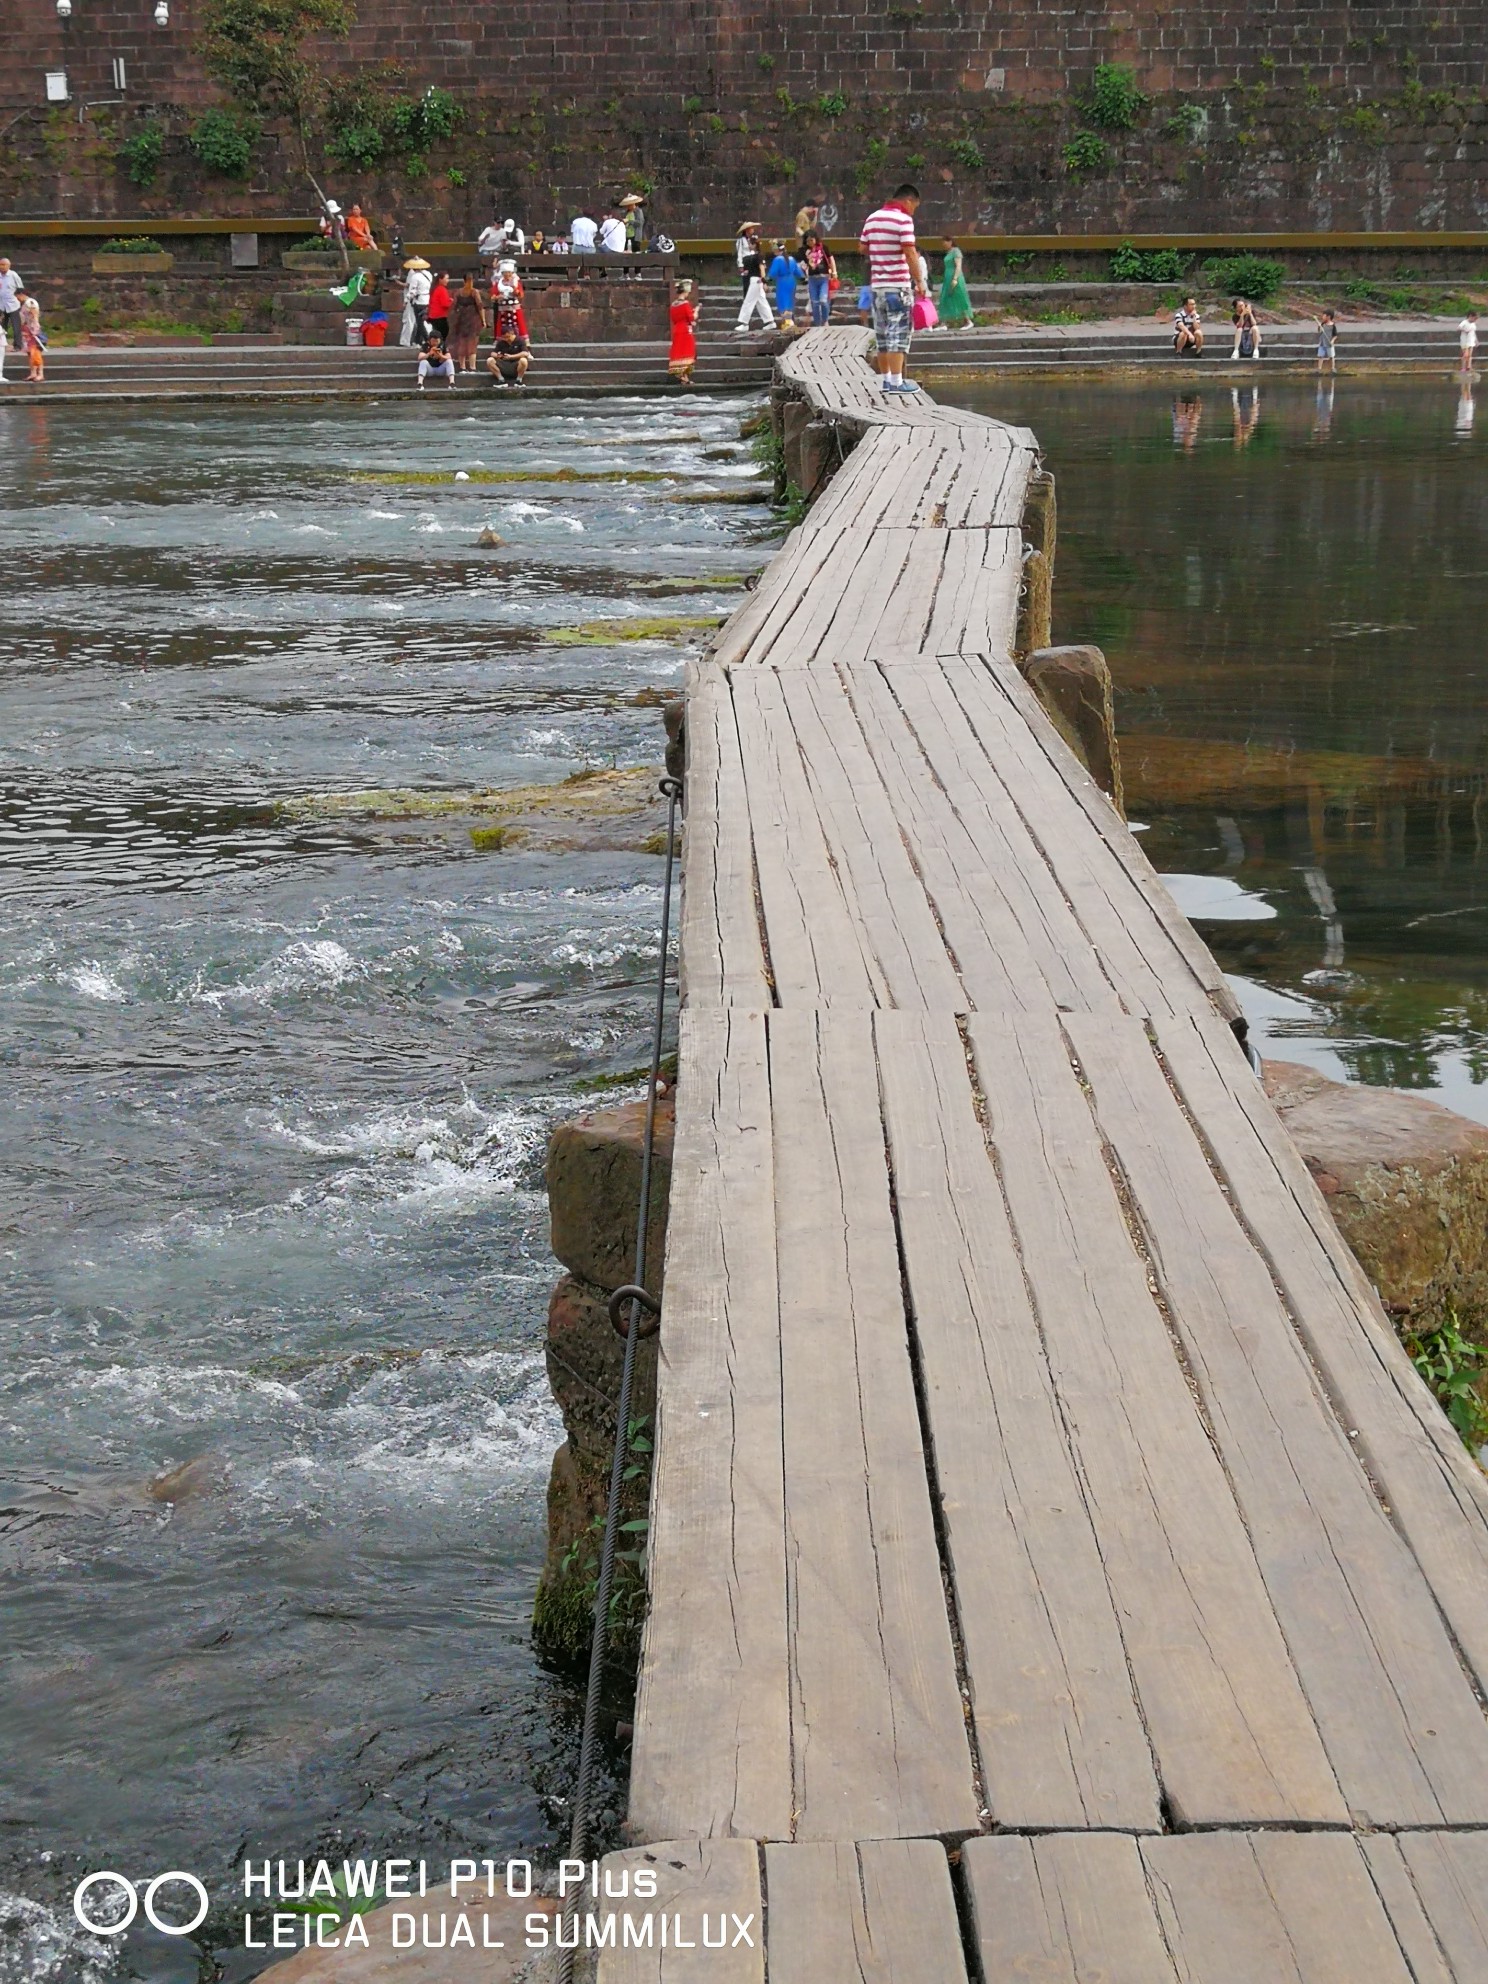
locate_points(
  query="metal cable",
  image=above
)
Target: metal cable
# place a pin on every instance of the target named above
(584, 1785)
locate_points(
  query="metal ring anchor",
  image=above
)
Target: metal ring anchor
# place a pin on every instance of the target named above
(633, 1292)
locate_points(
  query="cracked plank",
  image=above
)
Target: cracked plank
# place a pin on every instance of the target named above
(1018, 943)
(1065, 1908)
(1439, 1496)
(719, 950)
(1272, 1908)
(1231, 1730)
(879, 1732)
(1060, 1735)
(879, 1912)
(712, 1743)
(1400, 1722)
(705, 1924)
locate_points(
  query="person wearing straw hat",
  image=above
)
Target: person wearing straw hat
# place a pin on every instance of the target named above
(417, 283)
(634, 213)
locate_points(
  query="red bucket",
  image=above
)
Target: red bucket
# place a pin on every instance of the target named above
(374, 334)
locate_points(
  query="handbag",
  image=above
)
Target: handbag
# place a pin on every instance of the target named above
(925, 316)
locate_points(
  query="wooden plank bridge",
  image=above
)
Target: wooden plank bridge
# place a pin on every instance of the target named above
(1058, 1570)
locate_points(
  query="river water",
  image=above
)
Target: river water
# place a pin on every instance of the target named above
(278, 1084)
(1291, 583)
(276, 1096)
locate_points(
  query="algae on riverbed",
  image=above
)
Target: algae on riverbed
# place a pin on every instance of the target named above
(604, 633)
(593, 810)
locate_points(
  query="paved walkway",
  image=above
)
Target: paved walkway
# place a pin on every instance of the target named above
(1058, 1570)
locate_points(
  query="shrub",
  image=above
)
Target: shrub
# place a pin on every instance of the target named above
(1189, 120)
(1130, 264)
(223, 140)
(359, 145)
(692, 105)
(368, 124)
(871, 164)
(832, 104)
(1452, 1364)
(1115, 102)
(132, 244)
(141, 153)
(1084, 153)
(1250, 276)
(765, 61)
(967, 152)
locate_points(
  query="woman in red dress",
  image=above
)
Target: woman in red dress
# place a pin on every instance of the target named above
(683, 354)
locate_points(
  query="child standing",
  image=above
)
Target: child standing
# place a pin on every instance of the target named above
(683, 354)
(32, 340)
(785, 272)
(1467, 339)
(1327, 345)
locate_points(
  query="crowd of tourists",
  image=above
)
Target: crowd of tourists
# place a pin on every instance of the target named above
(803, 264)
(786, 284)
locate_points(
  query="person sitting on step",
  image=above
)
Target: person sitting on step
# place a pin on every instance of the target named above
(435, 362)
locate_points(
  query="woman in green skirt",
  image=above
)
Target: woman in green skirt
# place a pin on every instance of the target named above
(955, 298)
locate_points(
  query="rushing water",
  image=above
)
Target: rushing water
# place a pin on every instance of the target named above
(276, 1095)
(1291, 583)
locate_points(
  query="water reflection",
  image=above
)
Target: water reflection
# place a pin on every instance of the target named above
(1293, 601)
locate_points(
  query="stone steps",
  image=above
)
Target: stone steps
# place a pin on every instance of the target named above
(295, 371)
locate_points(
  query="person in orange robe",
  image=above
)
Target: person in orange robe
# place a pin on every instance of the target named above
(359, 232)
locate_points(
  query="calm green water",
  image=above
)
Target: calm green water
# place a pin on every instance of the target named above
(1292, 586)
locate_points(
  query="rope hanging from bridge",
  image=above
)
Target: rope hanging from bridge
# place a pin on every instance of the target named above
(634, 1296)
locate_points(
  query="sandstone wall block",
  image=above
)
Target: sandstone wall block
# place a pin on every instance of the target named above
(1407, 1184)
(594, 1192)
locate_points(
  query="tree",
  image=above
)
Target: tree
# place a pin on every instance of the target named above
(255, 49)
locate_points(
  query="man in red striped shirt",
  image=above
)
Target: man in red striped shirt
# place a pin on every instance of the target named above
(896, 275)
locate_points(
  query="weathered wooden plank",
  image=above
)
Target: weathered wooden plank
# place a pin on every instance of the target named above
(897, 926)
(812, 929)
(878, 1727)
(1135, 947)
(879, 1912)
(1065, 1908)
(1271, 1908)
(1229, 1726)
(1418, 1940)
(721, 957)
(1116, 835)
(1401, 1724)
(1060, 1736)
(1450, 1875)
(1438, 1496)
(971, 906)
(704, 1926)
(976, 604)
(712, 1744)
(997, 880)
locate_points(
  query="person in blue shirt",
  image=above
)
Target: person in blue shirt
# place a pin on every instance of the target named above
(786, 271)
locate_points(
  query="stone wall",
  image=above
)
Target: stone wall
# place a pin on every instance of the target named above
(1308, 116)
